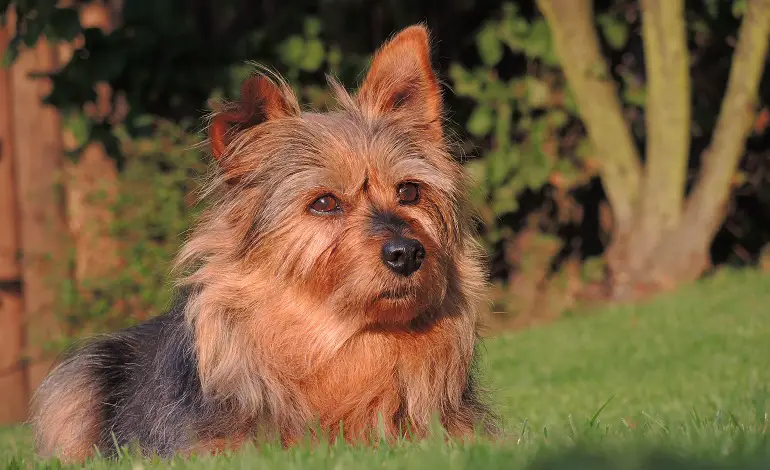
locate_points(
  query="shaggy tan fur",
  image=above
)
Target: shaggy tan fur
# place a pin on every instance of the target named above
(291, 316)
(65, 411)
(300, 310)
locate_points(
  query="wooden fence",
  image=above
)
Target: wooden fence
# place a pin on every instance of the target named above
(45, 216)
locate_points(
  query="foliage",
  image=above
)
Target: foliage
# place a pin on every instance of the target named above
(678, 383)
(166, 58)
(155, 207)
(515, 115)
(38, 18)
(538, 166)
(524, 123)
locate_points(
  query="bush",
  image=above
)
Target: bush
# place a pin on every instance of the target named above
(155, 207)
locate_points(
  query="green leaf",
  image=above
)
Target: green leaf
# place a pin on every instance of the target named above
(539, 131)
(11, 52)
(538, 92)
(633, 93)
(314, 55)
(739, 8)
(513, 28)
(504, 200)
(481, 121)
(65, 24)
(614, 30)
(557, 118)
(291, 50)
(33, 31)
(712, 7)
(501, 163)
(334, 58)
(538, 43)
(592, 269)
(477, 170)
(569, 172)
(636, 96)
(701, 27)
(312, 26)
(79, 125)
(489, 46)
(584, 149)
(510, 11)
(570, 103)
(498, 166)
(503, 124)
(465, 83)
(525, 122)
(536, 169)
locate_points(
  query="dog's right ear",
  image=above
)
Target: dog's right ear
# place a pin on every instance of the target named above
(261, 100)
(401, 78)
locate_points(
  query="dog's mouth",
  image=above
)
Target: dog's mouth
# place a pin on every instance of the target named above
(397, 294)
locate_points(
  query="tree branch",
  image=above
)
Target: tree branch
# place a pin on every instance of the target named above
(577, 45)
(720, 160)
(667, 117)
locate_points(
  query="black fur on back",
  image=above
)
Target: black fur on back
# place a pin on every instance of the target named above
(147, 379)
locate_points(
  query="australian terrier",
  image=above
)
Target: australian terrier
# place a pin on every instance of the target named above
(333, 283)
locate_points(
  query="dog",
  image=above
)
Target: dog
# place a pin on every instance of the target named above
(333, 283)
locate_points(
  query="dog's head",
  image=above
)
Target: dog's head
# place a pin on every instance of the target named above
(362, 207)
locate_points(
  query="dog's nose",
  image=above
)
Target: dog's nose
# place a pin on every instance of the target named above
(403, 255)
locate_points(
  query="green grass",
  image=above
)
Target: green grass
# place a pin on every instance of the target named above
(684, 378)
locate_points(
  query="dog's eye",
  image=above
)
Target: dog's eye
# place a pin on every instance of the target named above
(408, 193)
(325, 204)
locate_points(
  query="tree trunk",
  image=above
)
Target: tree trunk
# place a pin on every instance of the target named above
(667, 119)
(14, 394)
(574, 36)
(659, 239)
(684, 253)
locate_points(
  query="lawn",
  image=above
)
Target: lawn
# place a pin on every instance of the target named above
(679, 382)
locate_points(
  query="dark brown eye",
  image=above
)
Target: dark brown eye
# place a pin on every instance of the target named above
(325, 204)
(408, 193)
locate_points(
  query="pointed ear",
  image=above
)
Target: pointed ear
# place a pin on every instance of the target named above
(261, 100)
(401, 78)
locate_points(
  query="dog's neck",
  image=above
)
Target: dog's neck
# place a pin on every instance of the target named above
(331, 368)
(400, 373)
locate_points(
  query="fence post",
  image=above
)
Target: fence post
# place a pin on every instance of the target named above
(14, 392)
(43, 229)
(92, 180)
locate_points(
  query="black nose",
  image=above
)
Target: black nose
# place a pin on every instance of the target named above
(403, 255)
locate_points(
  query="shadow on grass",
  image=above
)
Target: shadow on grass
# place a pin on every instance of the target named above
(651, 460)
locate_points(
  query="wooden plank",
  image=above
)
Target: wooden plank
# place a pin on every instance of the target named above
(14, 394)
(44, 237)
(92, 180)
(91, 192)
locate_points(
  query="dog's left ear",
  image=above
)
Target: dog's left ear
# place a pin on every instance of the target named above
(401, 78)
(261, 100)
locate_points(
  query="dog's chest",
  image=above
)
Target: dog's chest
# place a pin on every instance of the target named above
(359, 390)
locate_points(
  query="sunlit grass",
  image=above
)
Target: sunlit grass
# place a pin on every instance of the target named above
(679, 382)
